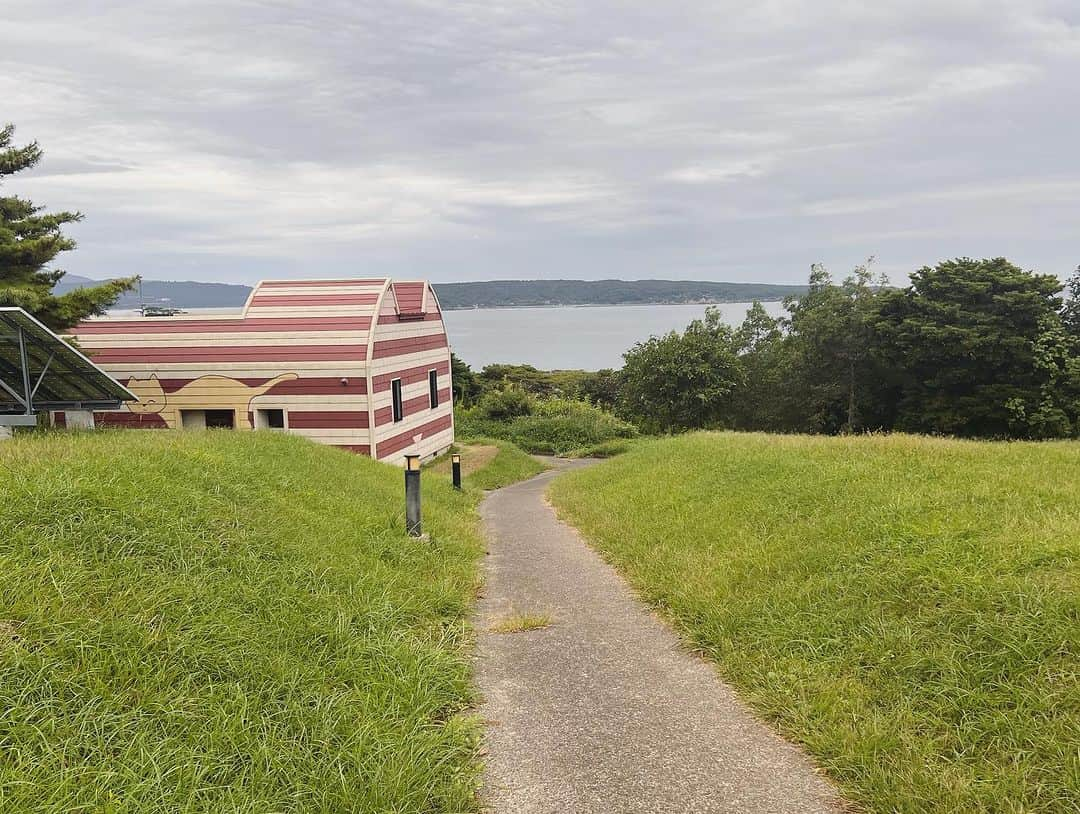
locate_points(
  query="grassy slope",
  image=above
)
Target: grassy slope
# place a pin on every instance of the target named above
(908, 608)
(229, 622)
(509, 466)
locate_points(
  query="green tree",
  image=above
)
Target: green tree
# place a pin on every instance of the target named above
(682, 381)
(1054, 411)
(763, 353)
(979, 350)
(1070, 313)
(836, 382)
(601, 387)
(29, 240)
(466, 386)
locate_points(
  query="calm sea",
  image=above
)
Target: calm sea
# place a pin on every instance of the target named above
(584, 337)
(563, 338)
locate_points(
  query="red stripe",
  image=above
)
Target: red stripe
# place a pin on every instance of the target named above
(405, 439)
(409, 297)
(409, 344)
(241, 325)
(233, 353)
(140, 421)
(290, 300)
(385, 415)
(311, 386)
(408, 376)
(359, 449)
(328, 419)
(318, 283)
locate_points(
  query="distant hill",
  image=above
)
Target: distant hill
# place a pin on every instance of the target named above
(518, 293)
(181, 294)
(489, 294)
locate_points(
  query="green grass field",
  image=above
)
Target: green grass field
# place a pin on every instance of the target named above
(212, 622)
(489, 463)
(907, 608)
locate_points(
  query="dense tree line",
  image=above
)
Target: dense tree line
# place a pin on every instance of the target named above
(975, 348)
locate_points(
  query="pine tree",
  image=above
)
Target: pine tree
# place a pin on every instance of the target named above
(29, 241)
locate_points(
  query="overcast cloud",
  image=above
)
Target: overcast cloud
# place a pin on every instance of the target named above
(464, 140)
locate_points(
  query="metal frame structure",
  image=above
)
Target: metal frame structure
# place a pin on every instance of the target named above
(40, 371)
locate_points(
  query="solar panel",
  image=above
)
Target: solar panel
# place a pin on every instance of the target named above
(40, 371)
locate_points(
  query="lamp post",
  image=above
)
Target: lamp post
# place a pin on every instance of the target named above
(455, 465)
(412, 495)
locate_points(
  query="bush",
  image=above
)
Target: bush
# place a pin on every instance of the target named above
(470, 425)
(554, 426)
(561, 426)
(505, 404)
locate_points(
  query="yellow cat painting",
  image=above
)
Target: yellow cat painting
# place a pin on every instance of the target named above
(203, 393)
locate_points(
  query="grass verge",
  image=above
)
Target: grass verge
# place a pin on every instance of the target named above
(507, 465)
(197, 622)
(907, 608)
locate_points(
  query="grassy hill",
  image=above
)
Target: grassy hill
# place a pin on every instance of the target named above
(229, 622)
(908, 608)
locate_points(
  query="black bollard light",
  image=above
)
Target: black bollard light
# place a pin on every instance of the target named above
(455, 465)
(412, 495)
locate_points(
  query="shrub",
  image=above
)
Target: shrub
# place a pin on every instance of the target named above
(505, 404)
(561, 426)
(553, 427)
(469, 424)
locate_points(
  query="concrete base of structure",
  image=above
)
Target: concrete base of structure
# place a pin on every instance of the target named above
(79, 419)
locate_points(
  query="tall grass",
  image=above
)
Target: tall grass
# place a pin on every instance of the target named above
(229, 622)
(908, 608)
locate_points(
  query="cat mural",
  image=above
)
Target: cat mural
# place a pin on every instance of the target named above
(203, 393)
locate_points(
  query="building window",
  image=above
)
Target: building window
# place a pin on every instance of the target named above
(220, 419)
(269, 419)
(208, 419)
(433, 388)
(399, 408)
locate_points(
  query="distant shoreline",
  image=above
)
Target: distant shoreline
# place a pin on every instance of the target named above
(224, 310)
(487, 295)
(631, 304)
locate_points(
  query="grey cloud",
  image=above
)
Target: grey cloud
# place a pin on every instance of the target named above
(234, 140)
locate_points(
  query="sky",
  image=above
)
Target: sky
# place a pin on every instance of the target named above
(238, 140)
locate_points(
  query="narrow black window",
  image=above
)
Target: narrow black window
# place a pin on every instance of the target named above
(433, 388)
(399, 408)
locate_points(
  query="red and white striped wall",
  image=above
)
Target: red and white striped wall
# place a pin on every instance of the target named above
(324, 352)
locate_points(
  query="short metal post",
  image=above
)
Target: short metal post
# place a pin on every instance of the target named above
(455, 465)
(412, 495)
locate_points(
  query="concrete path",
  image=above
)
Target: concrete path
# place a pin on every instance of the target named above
(603, 712)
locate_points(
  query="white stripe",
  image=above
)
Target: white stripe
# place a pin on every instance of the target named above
(204, 340)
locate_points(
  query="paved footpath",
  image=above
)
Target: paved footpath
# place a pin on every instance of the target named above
(603, 712)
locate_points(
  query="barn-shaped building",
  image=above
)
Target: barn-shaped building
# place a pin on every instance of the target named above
(359, 364)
